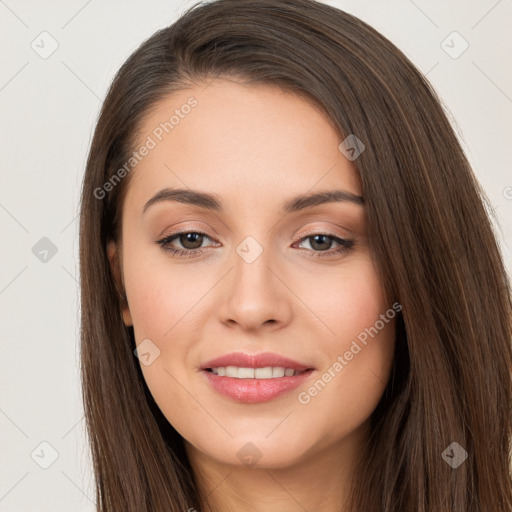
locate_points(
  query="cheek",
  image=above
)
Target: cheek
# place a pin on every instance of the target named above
(346, 302)
(358, 342)
(160, 295)
(165, 300)
(161, 299)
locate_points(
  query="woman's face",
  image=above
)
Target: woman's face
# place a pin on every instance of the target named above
(259, 272)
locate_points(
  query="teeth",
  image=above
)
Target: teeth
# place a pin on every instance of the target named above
(269, 372)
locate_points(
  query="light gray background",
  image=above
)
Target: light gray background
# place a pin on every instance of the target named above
(49, 107)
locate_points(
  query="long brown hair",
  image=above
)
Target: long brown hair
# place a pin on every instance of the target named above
(430, 235)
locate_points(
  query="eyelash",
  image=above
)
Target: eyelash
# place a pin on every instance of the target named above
(345, 245)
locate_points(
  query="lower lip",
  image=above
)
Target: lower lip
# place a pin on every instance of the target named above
(253, 391)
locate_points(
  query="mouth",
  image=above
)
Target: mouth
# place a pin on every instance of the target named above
(243, 365)
(256, 378)
(267, 372)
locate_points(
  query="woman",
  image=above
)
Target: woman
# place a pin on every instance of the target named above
(230, 360)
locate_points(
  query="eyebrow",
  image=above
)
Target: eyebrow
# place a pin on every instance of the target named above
(213, 202)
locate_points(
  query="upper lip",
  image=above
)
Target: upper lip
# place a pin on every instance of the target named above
(262, 360)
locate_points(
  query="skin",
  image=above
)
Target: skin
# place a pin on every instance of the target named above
(255, 147)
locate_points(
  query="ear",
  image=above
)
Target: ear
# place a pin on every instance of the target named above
(113, 258)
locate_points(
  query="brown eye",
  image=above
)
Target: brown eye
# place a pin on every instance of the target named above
(321, 243)
(190, 243)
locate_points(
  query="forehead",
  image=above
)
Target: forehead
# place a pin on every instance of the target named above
(239, 140)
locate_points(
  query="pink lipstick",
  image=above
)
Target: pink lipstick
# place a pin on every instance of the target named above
(255, 378)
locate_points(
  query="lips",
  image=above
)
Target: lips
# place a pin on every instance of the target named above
(261, 360)
(255, 390)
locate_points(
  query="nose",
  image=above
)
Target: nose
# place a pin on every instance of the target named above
(254, 295)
